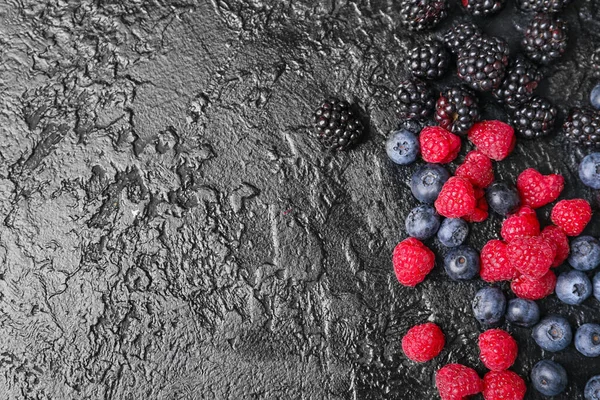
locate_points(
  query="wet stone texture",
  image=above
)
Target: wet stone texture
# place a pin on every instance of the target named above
(171, 230)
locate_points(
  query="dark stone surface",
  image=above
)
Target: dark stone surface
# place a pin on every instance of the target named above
(171, 230)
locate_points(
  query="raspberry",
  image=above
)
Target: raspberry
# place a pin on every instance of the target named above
(495, 265)
(571, 216)
(477, 168)
(531, 256)
(423, 342)
(523, 223)
(480, 213)
(529, 288)
(456, 382)
(497, 349)
(438, 145)
(457, 198)
(556, 237)
(495, 139)
(412, 261)
(503, 385)
(537, 190)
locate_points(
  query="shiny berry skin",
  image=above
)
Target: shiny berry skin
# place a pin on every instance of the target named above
(549, 378)
(523, 223)
(412, 261)
(503, 385)
(477, 168)
(427, 182)
(457, 109)
(571, 216)
(557, 238)
(535, 118)
(438, 145)
(503, 198)
(495, 265)
(429, 60)
(422, 222)
(537, 190)
(421, 15)
(483, 7)
(413, 100)
(531, 256)
(423, 342)
(457, 198)
(482, 63)
(521, 312)
(497, 349)
(402, 147)
(589, 170)
(592, 388)
(489, 306)
(587, 340)
(545, 39)
(596, 286)
(573, 287)
(585, 253)
(453, 232)
(336, 125)
(553, 333)
(529, 288)
(462, 263)
(495, 139)
(520, 81)
(595, 97)
(583, 127)
(460, 36)
(456, 381)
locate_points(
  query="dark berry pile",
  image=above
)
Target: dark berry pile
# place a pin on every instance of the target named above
(413, 100)
(336, 125)
(457, 110)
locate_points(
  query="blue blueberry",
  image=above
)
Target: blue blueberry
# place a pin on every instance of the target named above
(522, 312)
(402, 147)
(503, 198)
(553, 333)
(596, 286)
(595, 97)
(426, 183)
(585, 253)
(422, 222)
(549, 378)
(589, 170)
(592, 388)
(462, 263)
(573, 287)
(453, 232)
(587, 340)
(489, 306)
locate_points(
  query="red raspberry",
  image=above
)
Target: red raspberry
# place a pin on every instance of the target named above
(495, 266)
(523, 223)
(556, 237)
(531, 256)
(537, 190)
(457, 198)
(503, 385)
(477, 168)
(497, 349)
(480, 213)
(456, 382)
(423, 342)
(438, 145)
(412, 261)
(571, 216)
(534, 289)
(495, 139)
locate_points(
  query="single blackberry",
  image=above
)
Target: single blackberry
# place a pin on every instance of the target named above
(535, 118)
(549, 6)
(483, 63)
(596, 63)
(413, 100)
(336, 125)
(545, 39)
(482, 8)
(460, 35)
(521, 79)
(457, 110)
(420, 15)
(583, 127)
(429, 61)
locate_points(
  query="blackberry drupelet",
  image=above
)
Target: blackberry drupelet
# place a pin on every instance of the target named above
(413, 100)
(429, 61)
(336, 125)
(483, 63)
(535, 118)
(521, 79)
(482, 8)
(549, 6)
(420, 15)
(459, 36)
(545, 38)
(457, 110)
(583, 127)
(595, 61)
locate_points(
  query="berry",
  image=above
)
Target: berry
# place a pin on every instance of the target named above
(585, 253)
(583, 127)
(571, 216)
(453, 232)
(495, 266)
(503, 385)
(412, 261)
(456, 381)
(592, 388)
(550, 6)
(596, 286)
(413, 100)
(427, 182)
(497, 349)
(457, 198)
(503, 198)
(537, 190)
(531, 256)
(420, 15)
(534, 118)
(402, 147)
(549, 378)
(573, 287)
(457, 109)
(482, 64)
(495, 139)
(461, 263)
(589, 170)
(545, 38)
(521, 312)
(483, 7)
(438, 145)
(336, 125)
(422, 222)
(587, 340)
(429, 61)
(559, 241)
(460, 36)
(595, 97)
(523, 223)
(529, 288)
(552, 333)
(423, 342)
(477, 168)
(521, 79)
(489, 305)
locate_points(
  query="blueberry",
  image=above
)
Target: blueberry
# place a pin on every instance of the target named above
(592, 388)
(422, 222)
(585, 253)
(453, 232)
(589, 170)
(595, 97)
(549, 378)
(503, 198)
(553, 333)
(522, 312)
(462, 263)
(426, 183)
(596, 286)
(587, 340)
(489, 306)
(402, 147)
(573, 287)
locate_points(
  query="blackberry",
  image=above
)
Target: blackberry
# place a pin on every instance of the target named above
(457, 110)
(595, 61)
(549, 6)
(459, 36)
(545, 39)
(429, 61)
(413, 100)
(482, 8)
(535, 118)
(336, 125)
(420, 15)
(583, 127)
(483, 63)
(521, 79)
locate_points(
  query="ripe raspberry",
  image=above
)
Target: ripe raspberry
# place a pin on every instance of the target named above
(534, 289)
(457, 198)
(477, 168)
(497, 349)
(503, 385)
(456, 382)
(423, 342)
(571, 216)
(531, 256)
(495, 139)
(438, 145)
(480, 213)
(412, 261)
(537, 190)
(555, 236)
(495, 266)
(523, 223)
